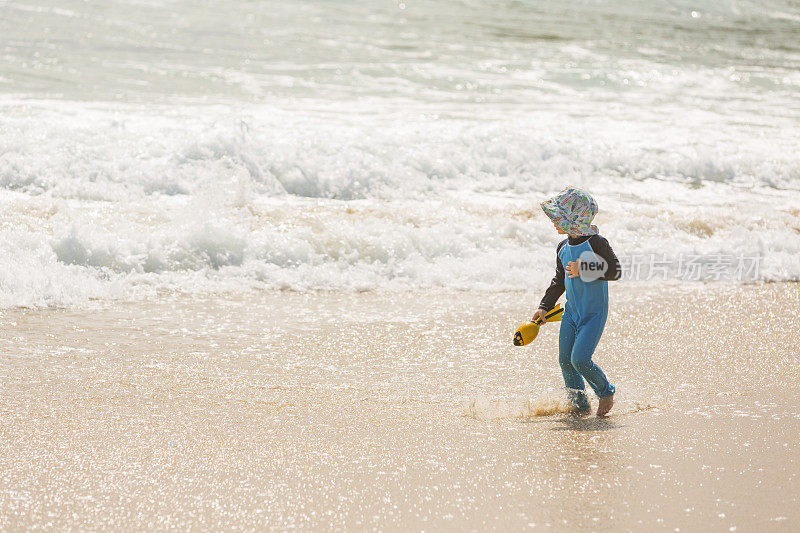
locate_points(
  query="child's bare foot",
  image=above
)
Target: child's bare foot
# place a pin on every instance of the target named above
(605, 405)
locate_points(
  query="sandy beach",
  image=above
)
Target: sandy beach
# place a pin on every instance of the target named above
(261, 264)
(399, 411)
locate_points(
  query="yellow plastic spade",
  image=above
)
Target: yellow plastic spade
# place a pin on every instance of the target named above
(527, 332)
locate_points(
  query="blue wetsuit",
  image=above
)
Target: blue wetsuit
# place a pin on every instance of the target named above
(584, 316)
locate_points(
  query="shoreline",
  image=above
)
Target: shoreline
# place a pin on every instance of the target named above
(162, 295)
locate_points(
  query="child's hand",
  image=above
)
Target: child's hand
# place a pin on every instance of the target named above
(539, 314)
(573, 268)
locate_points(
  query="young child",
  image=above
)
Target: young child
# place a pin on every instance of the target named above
(589, 263)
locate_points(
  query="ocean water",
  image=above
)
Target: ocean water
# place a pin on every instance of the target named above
(354, 145)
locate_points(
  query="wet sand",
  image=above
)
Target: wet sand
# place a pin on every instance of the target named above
(399, 411)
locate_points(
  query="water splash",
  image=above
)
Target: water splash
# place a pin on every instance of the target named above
(484, 408)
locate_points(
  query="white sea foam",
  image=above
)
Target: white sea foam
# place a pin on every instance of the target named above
(112, 201)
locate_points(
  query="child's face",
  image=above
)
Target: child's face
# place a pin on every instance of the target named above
(559, 230)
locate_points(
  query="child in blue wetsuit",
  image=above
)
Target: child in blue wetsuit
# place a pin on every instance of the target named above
(585, 263)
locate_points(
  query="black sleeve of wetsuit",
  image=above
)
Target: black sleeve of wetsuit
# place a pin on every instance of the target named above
(601, 247)
(556, 287)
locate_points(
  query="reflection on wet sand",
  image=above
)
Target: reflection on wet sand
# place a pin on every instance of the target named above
(380, 410)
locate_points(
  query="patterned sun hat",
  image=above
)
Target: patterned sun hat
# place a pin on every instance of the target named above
(572, 210)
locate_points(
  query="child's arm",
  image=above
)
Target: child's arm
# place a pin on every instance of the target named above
(556, 288)
(601, 247)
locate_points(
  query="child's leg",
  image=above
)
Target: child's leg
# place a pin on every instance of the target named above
(586, 339)
(572, 379)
